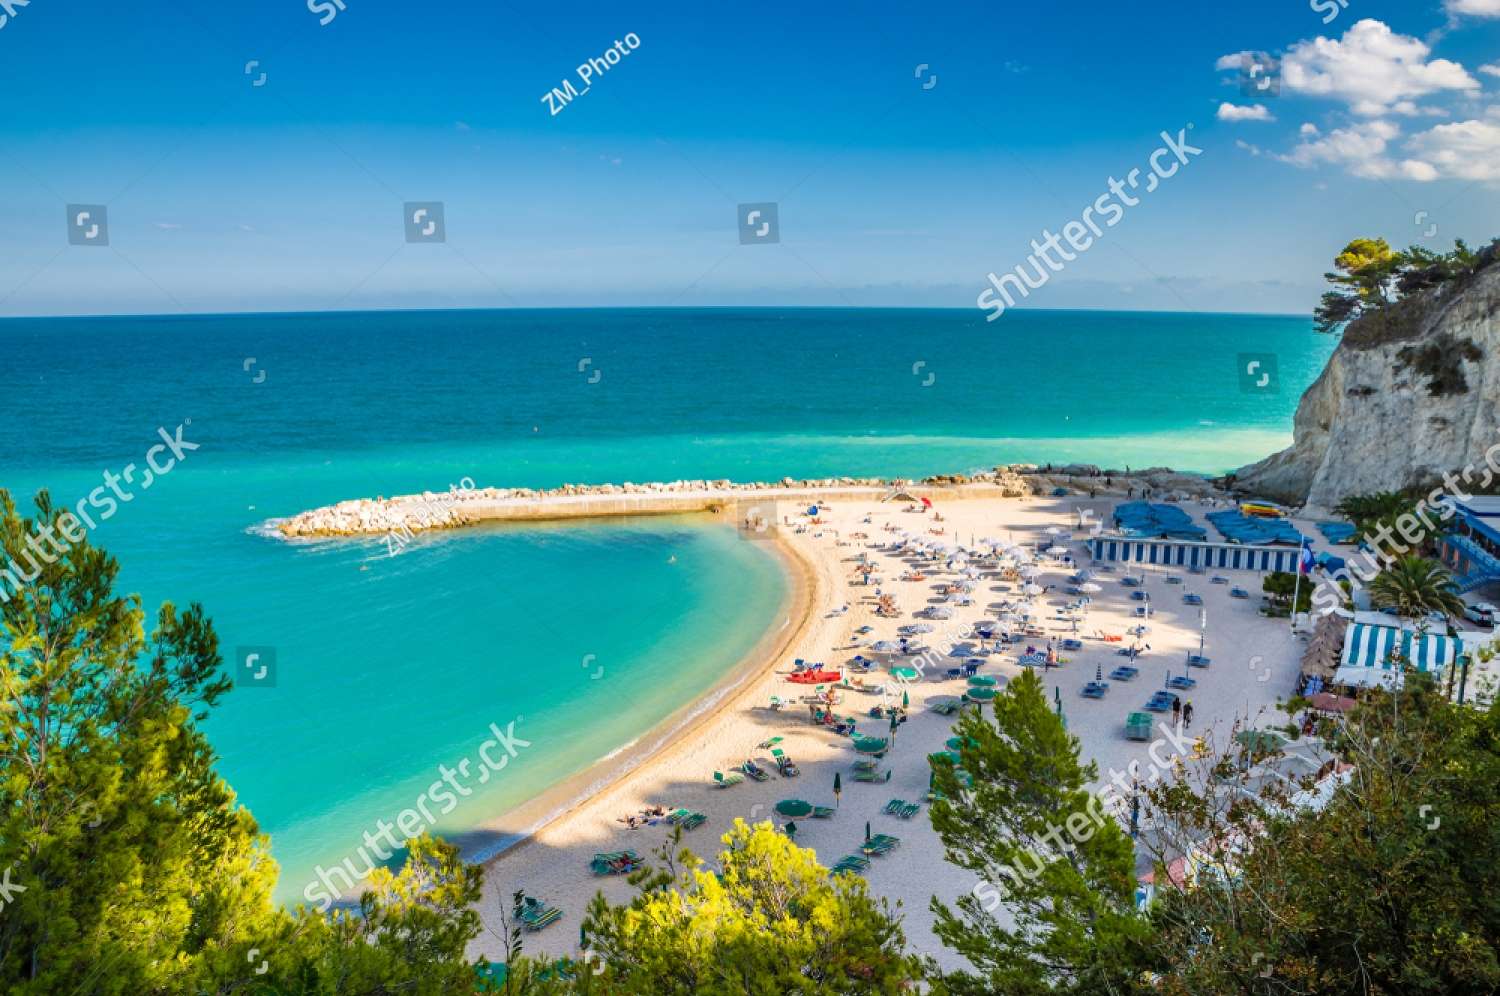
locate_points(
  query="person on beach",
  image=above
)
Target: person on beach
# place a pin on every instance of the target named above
(1176, 711)
(1187, 713)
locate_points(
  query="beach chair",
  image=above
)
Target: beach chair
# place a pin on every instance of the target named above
(854, 864)
(750, 768)
(823, 812)
(881, 843)
(724, 781)
(1161, 701)
(1139, 596)
(1095, 689)
(784, 764)
(692, 820)
(866, 764)
(1183, 682)
(876, 777)
(1191, 599)
(1173, 579)
(1198, 660)
(535, 914)
(1138, 726)
(1074, 645)
(1238, 593)
(1218, 579)
(1143, 611)
(909, 810)
(1124, 673)
(615, 862)
(894, 806)
(769, 743)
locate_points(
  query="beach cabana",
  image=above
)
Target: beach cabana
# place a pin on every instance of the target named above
(1369, 649)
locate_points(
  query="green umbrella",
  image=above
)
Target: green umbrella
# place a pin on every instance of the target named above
(794, 807)
(980, 694)
(905, 701)
(838, 786)
(909, 673)
(871, 745)
(867, 831)
(981, 681)
(944, 757)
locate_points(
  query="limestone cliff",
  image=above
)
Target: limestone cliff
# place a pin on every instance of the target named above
(1409, 394)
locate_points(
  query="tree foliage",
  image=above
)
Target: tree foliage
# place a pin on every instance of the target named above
(1055, 910)
(1369, 276)
(1387, 889)
(1414, 587)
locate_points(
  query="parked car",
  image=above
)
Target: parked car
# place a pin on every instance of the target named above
(1482, 613)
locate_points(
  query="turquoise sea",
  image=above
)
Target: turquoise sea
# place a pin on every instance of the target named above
(388, 667)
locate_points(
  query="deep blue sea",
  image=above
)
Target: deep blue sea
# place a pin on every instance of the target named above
(387, 667)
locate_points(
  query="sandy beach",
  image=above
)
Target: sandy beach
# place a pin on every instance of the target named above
(1254, 662)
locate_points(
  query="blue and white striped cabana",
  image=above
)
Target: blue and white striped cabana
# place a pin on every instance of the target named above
(1186, 553)
(1368, 650)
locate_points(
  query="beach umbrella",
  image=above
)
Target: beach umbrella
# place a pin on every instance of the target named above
(794, 807)
(905, 700)
(982, 681)
(981, 693)
(838, 787)
(867, 831)
(871, 745)
(958, 743)
(944, 757)
(1032, 590)
(884, 647)
(1090, 588)
(1056, 551)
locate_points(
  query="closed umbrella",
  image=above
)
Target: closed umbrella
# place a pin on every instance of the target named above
(838, 787)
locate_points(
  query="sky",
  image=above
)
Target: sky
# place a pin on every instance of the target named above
(261, 156)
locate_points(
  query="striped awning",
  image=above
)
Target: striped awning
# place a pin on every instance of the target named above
(1373, 646)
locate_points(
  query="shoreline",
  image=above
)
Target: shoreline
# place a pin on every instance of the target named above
(520, 826)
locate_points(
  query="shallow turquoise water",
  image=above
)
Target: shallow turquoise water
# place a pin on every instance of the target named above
(389, 667)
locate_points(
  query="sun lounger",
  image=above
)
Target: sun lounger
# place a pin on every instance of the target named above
(1124, 673)
(881, 843)
(724, 781)
(750, 768)
(1191, 599)
(1072, 645)
(823, 812)
(1238, 593)
(1138, 726)
(784, 764)
(872, 776)
(1161, 701)
(1181, 681)
(894, 806)
(909, 810)
(1173, 579)
(866, 764)
(1095, 689)
(854, 864)
(1198, 660)
(535, 914)
(1139, 596)
(1218, 579)
(615, 863)
(686, 818)
(768, 744)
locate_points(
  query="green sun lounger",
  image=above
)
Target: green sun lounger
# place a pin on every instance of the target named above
(909, 810)
(688, 819)
(872, 776)
(535, 914)
(822, 812)
(724, 781)
(894, 806)
(615, 863)
(854, 864)
(881, 843)
(866, 764)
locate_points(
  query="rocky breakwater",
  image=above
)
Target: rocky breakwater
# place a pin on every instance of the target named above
(1411, 393)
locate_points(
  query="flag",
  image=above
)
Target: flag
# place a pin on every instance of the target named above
(1307, 560)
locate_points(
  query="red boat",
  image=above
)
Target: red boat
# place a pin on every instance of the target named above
(814, 677)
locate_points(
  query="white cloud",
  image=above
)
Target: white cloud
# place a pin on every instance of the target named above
(1493, 69)
(1229, 62)
(1474, 8)
(1254, 150)
(1308, 129)
(1362, 149)
(1465, 150)
(1373, 69)
(1255, 112)
(166, 226)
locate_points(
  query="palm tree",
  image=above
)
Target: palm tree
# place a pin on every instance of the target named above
(1416, 586)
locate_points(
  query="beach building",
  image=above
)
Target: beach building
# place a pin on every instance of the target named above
(1374, 639)
(1471, 547)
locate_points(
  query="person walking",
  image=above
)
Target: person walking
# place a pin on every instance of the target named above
(1187, 713)
(1176, 711)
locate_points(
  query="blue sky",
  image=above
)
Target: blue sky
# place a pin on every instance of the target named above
(225, 196)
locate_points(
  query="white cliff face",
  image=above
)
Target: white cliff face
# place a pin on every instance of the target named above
(1370, 423)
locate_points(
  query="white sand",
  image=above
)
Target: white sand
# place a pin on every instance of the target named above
(1254, 663)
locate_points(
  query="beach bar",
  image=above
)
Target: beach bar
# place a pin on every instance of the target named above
(1186, 553)
(1471, 548)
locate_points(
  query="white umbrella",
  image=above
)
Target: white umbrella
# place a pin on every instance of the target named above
(1056, 551)
(1032, 589)
(940, 612)
(1055, 530)
(1090, 588)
